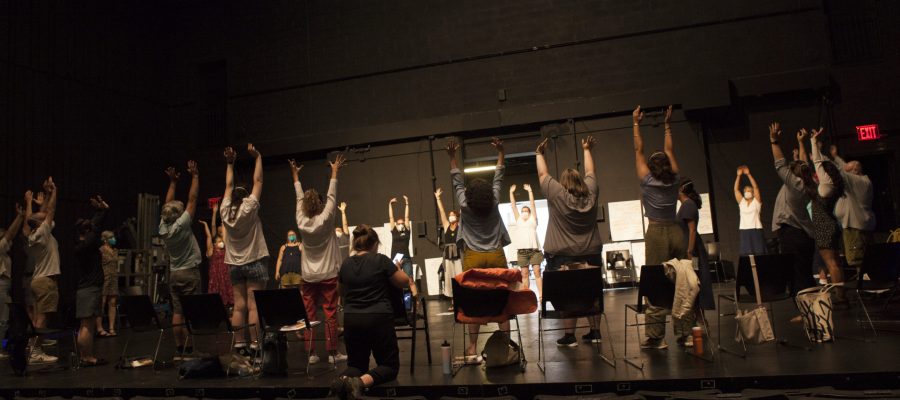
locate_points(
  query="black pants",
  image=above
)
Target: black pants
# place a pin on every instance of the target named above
(795, 241)
(375, 334)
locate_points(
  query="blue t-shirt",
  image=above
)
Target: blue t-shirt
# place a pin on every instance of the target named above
(659, 198)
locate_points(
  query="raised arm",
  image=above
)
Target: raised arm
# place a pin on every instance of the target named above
(209, 241)
(26, 229)
(230, 156)
(173, 182)
(50, 212)
(833, 151)
(215, 228)
(498, 172)
(738, 196)
(15, 225)
(817, 156)
(257, 171)
(191, 206)
(344, 225)
(668, 146)
(331, 197)
(531, 202)
(774, 136)
(587, 144)
(298, 188)
(801, 137)
(756, 194)
(406, 212)
(391, 212)
(540, 161)
(640, 162)
(512, 202)
(440, 205)
(456, 178)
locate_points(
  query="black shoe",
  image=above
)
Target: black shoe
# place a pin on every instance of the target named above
(567, 341)
(353, 388)
(592, 337)
(338, 388)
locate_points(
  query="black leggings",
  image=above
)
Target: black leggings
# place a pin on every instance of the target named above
(375, 334)
(795, 241)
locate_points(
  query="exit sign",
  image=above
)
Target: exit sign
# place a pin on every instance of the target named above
(868, 132)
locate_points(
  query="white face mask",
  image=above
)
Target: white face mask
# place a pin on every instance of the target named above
(220, 245)
(526, 214)
(401, 228)
(748, 195)
(338, 233)
(452, 219)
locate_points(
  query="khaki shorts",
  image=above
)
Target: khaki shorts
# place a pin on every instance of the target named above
(528, 257)
(483, 259)
(855, 242)
(46, 294)
(290, 279)
(183, 282)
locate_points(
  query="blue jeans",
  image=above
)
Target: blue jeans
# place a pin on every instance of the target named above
(407, 265)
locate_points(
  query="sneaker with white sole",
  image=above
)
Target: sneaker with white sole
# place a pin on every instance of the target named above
(592, 337)
(658, 344)
(39, 357)
(686, 341)
(567, 341)
(313, 359)
(336, 358)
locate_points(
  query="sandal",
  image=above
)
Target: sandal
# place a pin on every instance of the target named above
(111, 333)
(103, 333)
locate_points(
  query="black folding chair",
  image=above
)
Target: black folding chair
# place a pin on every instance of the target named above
(281, 311)
(879, 273)
(715, 261)
(477, 303)
(141, 318)
(408, 321)
(205, 315)
(659, 291)
(774, 272)
(19, 319)
(576, 293)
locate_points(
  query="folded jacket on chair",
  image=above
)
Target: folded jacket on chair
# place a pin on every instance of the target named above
(519, 300)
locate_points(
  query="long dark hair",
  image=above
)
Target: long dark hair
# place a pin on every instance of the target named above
(836, 178)
(661, 167)
(364, 238)
(687, 187)
(802, 170)
(572, 180)
(480, 197)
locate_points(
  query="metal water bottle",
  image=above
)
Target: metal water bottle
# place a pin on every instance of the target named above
(445, 357)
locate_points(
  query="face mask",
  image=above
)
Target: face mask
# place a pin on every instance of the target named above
(401, 228)
(452, 219)
(292, 238)
(220, 245)
(526, 214)
(748, 195)
(338, 233)
(111, 241)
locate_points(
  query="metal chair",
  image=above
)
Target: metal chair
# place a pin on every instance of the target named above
(715, 260)
(408, 321)
(205, 315)
(879, 272)
(659, 291)
(576, 293)
(280, 311)
(141, 317)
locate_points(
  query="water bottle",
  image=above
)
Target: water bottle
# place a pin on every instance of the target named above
(445, 357)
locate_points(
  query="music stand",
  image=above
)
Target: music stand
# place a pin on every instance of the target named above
(280, 311)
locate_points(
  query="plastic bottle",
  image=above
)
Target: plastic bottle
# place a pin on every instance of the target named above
(445, 357)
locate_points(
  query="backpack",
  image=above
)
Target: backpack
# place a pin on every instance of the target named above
(206, 367)
(499, 351)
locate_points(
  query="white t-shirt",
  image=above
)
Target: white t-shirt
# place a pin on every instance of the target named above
(750, 214)
(524, 234)
(5, 261)
(244, 240)
(43, 249)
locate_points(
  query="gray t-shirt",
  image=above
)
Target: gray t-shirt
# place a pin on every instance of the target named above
(659, 198)
(790, 204)
(184, 252)
(572, 226)
(44, 251)
(480, 233)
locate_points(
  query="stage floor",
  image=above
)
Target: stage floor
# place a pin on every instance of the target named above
(849, 362)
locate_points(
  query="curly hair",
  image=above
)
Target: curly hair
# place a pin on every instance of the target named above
(480, 197)
(661, 167)
(312, 203)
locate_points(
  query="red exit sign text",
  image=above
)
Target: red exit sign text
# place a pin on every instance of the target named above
(868, 132)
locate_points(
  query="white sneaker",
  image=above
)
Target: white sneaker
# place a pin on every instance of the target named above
(338, 357)
(39, 357)
(3, 355)
(313, 359)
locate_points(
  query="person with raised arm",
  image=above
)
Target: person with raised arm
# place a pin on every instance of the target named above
(483, 233)
(43, 252)
(450, 252)
(664, 239)
(572, 234)
(219, 276)
(400, 236)
(827, 230)
(89, 268)
(6, 238)
(854, 211)
(343, 233)
(246, 253)
(321, 257)
(184, 252)
(749, 201)
(524, 238)
(790, 220)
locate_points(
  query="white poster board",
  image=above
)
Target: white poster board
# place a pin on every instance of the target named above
(625, 220)
(705, 227)
(542, 213)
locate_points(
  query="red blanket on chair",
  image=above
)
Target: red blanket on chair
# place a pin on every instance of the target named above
(521, 300)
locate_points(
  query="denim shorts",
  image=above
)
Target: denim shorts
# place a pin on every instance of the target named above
(256, 271)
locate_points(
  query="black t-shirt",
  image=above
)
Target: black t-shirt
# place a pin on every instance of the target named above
(399, 242)
(87, 256)
(366, 285)
(290, 260)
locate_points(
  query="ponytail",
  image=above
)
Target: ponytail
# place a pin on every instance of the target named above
(687, 187)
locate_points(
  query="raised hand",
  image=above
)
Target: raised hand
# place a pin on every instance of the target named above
(342, 206)
(438, 193)
(338, 162)
(95, 203)
(49, 186)
(192, 168)
(740, 170)
(205, 225)
(802, 134)
(637, 115)
(833, 150)
(512, 188)
(102, 202)
(452, 147)
(295, 168)
(20, 211)
(668, 114)
(230, 155)
(774, 131)
(527, 187)
(816, 133)
(393, 200)
(39, 199)
(405, 199)
(497, 143)
(587, 143)
(29, 197)
(795, 153)
(542, 146)
(252, 150)
(173, 174)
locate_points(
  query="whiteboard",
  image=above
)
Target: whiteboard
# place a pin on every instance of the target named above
(625, 220)
(705, 226)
